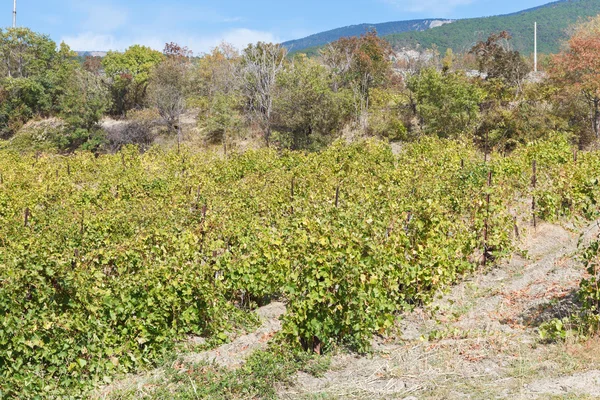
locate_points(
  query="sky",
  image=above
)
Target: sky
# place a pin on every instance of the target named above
(201, 25)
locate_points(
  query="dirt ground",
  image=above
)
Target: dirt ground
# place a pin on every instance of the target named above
(480, 340)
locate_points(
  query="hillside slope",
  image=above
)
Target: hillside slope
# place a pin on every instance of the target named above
(553, 21)
(387, 28)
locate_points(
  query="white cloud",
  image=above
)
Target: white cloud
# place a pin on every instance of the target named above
(232, 19)
(240, 38)
(434, 7)
(105, 17)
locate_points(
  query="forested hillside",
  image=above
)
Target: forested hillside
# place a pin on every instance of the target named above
(387, 28)
(553, 21)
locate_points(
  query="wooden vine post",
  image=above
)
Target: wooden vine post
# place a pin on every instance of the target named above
(203, 225)
(534, 186)
(486, 225)
(487, 138)
(27, 214)
(292, 187)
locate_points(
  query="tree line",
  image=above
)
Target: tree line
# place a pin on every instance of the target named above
(357, 86)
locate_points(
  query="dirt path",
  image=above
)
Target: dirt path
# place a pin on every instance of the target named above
(480, 340)
(231, 355)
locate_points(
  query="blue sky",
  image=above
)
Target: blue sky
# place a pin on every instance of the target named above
(201, 25)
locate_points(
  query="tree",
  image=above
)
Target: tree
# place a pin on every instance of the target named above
(447, 104)
(506, 123)
(93, 64)
(308, 114)
(224, 119)
(359, 63)
(497, 60)
(129, 73)
(448, 61)
(216, 73)
(79, 97)
(85, 100)
(168, 83)
(166, 91)
(20, 100)
(260, 66)
(578, 67)
(173, 50)
(28, 80)
(24, 53)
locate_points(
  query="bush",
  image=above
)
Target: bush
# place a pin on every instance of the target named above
(43, 135)
(140, 129)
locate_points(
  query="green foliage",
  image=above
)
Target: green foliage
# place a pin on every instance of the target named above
(39, 136)
(85, 101)
(554, 330)
(447, 104)
(257, 379)
(21, 100)
(506, 123)
(553, 21)
(309, 115)
(224, 119)
(359, 64)
(130, 72)
(386, 119)
(589, 292)
(36, 80)
(24, 53)
(106, 262)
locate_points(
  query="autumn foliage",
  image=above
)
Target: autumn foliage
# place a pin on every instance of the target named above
(579, 66)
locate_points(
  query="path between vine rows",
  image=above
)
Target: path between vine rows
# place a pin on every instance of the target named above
(480, 341)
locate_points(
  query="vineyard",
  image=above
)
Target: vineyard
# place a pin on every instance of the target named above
(107, 262)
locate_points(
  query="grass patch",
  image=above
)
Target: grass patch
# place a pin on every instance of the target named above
(259, 378)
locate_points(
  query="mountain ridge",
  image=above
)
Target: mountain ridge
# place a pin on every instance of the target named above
(460, 35)
(384, 28)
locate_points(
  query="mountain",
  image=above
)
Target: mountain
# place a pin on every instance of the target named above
(383, 29)
(553, 21)
(84, 54)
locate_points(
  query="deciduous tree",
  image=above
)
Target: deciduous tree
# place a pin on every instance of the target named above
(129, 73)
(359, 63)
(308, 114)
(579, 67)
(261, 64)
(497, 60)
(447, 104)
